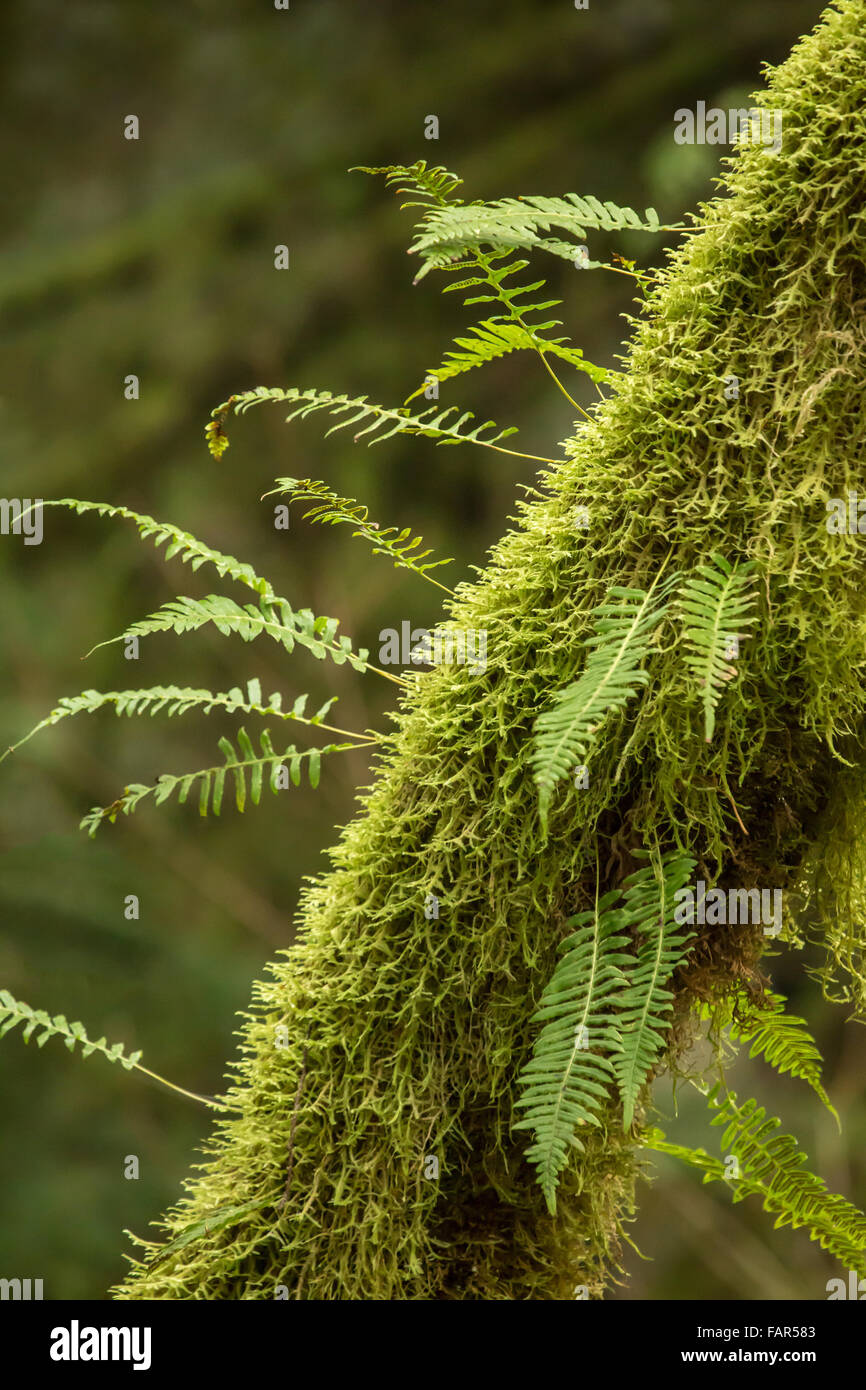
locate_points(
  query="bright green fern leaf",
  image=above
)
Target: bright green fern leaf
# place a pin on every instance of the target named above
(771, 1166)
(784, 1041)
(14, 1011)
(623, 631)
(563, 1085)
(332, 510)
(642, 1021)
(716, 610)
(276, 619)
(245, 769)
(380, 422)
(180, 700)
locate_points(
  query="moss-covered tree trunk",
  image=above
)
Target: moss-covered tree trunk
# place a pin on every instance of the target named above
(414, 1030)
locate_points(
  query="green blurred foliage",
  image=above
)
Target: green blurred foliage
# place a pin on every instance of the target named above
(155, 257)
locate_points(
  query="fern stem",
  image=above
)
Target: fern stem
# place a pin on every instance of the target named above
(181, 1091)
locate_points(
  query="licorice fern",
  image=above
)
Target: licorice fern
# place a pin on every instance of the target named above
(516, 223)
(180, 700)
(715, 603)
(603, 1012)
(380, 422)
(624, 625)
(782, 1039)
(332, 510)
(241, 766)
(662, 947)
(771, 1166)
(276, 619)
(508, 331)
(568, 1076)
(14, 1012)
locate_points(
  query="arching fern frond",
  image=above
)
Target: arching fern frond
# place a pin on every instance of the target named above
(380, 422)
(331, 510)
(771, 1168)
(177, 700)
(642, 1022)
(567, 1078)
(623, 630)
(715, 604)
(276, 619)
(246, 768)
(178, 543)
(14, 1012)
(783, 1040)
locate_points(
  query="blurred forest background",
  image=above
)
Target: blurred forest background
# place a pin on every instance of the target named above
(156, 257)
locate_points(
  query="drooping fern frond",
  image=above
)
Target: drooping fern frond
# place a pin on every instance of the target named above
(276, 619)
(771, 1166)
(331, 510)
(783, 1040)
(623, 629)
(564, 1084)
(14, 1011)
(642, 1020)
(715, 603)
(180, 543)
(179, 700)
(380, 422)
(246, 768)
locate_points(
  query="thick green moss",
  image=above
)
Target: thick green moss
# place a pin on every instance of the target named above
(416, 1030)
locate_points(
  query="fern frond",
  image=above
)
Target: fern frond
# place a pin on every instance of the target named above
(14, 1011)
(494, 338)
(331, 510)
(429, 185)
(178, 543)
(567, 1078)
(277, 620)
(623, 630)
(504, 333)
(179, 700)
(448, 232)
(642, 1022)
(716, 610)
(380, 422)
(771, 1167)
(243, 765)
(784, 1041)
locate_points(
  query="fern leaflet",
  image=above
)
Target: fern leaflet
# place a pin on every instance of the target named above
(179, 700)
(277, 620)
(785, 1043)
(771, 1167)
